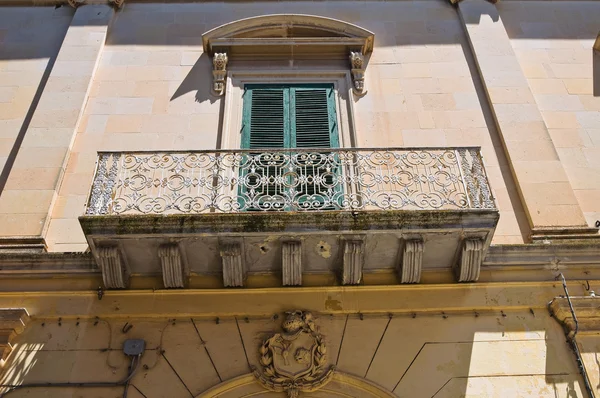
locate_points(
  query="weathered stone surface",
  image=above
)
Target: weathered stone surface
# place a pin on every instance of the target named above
(412, 261)
(173, 272)
(291, 262)
(114, 271)
(354, 259)
(233, 267)
(471, 257)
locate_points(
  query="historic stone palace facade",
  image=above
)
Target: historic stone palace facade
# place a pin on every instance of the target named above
(330, 198)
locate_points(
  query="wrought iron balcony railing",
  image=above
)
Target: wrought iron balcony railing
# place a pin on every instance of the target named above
(289, 180)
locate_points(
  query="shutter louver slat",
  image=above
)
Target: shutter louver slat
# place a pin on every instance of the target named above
(267, 121)
(312, 119)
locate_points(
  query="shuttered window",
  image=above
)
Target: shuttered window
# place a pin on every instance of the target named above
(291, 116)
(288, 116)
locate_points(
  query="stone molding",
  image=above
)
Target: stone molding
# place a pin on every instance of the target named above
(353, 263)
(12, 323)
(22, 244)
(291, 262)
(469, 265)
(173, 270)
(114, 271)
(587, 311)
(224, 36)
(233, 267)
(412, 261)
(350, 386)
(545, 234)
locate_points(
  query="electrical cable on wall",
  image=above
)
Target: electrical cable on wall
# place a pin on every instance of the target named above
(571, 339)
(133, 348)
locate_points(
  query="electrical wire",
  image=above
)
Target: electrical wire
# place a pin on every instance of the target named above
(135, 362)
(574, 346)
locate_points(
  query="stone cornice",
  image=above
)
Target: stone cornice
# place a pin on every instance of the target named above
(35, 264)
(503, 263)
(548, 256)
(587, 311)
(464, 298)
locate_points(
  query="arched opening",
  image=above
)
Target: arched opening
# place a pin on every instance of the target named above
(341, 385)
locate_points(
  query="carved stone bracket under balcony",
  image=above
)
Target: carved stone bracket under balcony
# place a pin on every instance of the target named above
(471, 257)
(291, 261)
(233, 266)
(412, 261)
(115, 274)
(173, 270)
(354, 261)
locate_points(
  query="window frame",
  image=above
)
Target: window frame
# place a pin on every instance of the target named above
(290, 138)
(231, 132)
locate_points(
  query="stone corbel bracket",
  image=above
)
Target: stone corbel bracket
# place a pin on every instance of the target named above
(173, 270)
(357, 68)
(291, 261)
(234, 273)
(12, 323)
(412, 261)
(353, 261)
(115, 274)
(471, 257)
(219, 73)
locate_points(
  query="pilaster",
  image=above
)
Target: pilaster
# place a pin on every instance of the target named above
(546, 193)
(57, 115)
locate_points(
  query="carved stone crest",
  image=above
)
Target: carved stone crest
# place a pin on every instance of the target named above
(294, 361)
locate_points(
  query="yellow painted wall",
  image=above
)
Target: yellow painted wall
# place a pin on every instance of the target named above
(489, 355)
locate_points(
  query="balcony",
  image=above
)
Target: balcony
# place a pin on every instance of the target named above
(295, 216)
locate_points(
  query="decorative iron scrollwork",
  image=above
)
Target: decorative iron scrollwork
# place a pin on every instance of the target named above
(289, 180)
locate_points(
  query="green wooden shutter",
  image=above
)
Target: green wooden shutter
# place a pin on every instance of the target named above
(290, 116)
(312, 117)
(266, 117)
(294, 116)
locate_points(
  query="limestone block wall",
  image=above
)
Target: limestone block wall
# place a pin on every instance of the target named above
(152, 92)
(553, 42)
(29, 42)
(488, 354)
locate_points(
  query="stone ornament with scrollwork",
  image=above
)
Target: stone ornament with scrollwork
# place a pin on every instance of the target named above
(294, 361)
